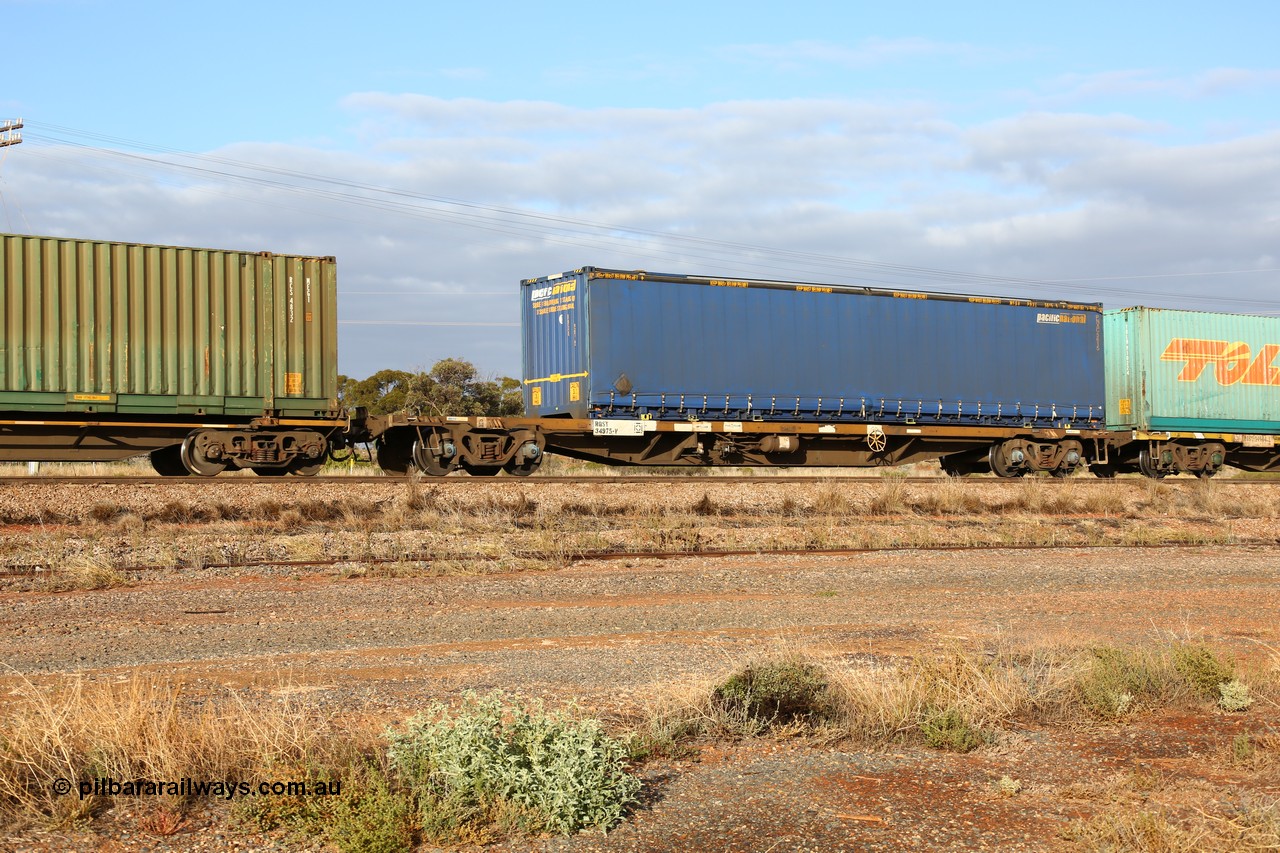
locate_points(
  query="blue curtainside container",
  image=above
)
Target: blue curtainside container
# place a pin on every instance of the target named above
(1190, 371)
(608, 343)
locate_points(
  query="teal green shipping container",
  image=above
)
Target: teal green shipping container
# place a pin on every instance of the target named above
(92, 326)
(1187, 371)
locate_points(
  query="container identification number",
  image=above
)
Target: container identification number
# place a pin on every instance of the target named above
(604, 426)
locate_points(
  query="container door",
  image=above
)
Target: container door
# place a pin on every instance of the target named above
(1127, 406)
(555, 346)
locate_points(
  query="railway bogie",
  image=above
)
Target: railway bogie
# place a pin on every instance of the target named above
(436, 447)
(209, 452)
(1158, 456)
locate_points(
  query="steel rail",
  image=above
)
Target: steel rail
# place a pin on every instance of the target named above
(187, 482)
(39, 569)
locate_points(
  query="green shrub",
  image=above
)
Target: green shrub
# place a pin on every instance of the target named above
(1115, 678)
(370, 814)
(950, 730)
(1202, 669)
(375, 820)
(1007, 786)
(496, 760)
(1234, 695)
(1242, 749)
(779, 691)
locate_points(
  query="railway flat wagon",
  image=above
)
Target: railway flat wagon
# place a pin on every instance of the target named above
(1196, 390)
(677, 369)
(204, 358)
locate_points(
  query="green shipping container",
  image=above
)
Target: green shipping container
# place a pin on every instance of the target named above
(92, 326)
(1187, 371)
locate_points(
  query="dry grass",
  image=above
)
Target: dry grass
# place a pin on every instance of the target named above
(83, 573)
(982, 691)
(144, 727)
(1148, 814)
(961, 697)
(419, 517)
(958, 698)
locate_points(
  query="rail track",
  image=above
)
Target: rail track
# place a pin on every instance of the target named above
(37, 570)
(462, 480)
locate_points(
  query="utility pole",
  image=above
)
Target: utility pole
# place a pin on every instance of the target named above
(9, 133)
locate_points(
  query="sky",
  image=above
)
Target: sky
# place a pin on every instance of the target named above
(1124, 153)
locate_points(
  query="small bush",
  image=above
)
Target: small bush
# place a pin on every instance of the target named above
(890, 497)
(103, 513)
(1242, 749)
(500, 761)
(85, 574)
(951, 498)
(371, 813)
(319, 510)
(831, 501)
(1007, 786)
(1202, 669)
(375, 820)
(1114, 678)
(268, 510)
(1234, 695)
(589, 509)
(705, 506)
(949, 730)
(1128, 830)
(415, 500)
(180, 512)
(219, 510)
(772, 692)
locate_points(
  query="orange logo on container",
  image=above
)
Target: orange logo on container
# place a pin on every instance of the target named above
(1233, 362)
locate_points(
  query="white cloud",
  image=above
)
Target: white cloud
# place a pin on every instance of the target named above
(1041, 195)
(1215, 82)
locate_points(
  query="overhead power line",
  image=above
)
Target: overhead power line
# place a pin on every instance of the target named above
(550, 228)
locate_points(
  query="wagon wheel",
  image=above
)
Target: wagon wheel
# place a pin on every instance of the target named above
(195, 460)
(394, 457)
(1103, 472)
(307, 470)
(1147, 465)
(1001, 466)
(167, 462)
(876, 440)
(430, 464)
(528, 456)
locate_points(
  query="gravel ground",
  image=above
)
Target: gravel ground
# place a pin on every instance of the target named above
(613, 635)
(604, 631)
